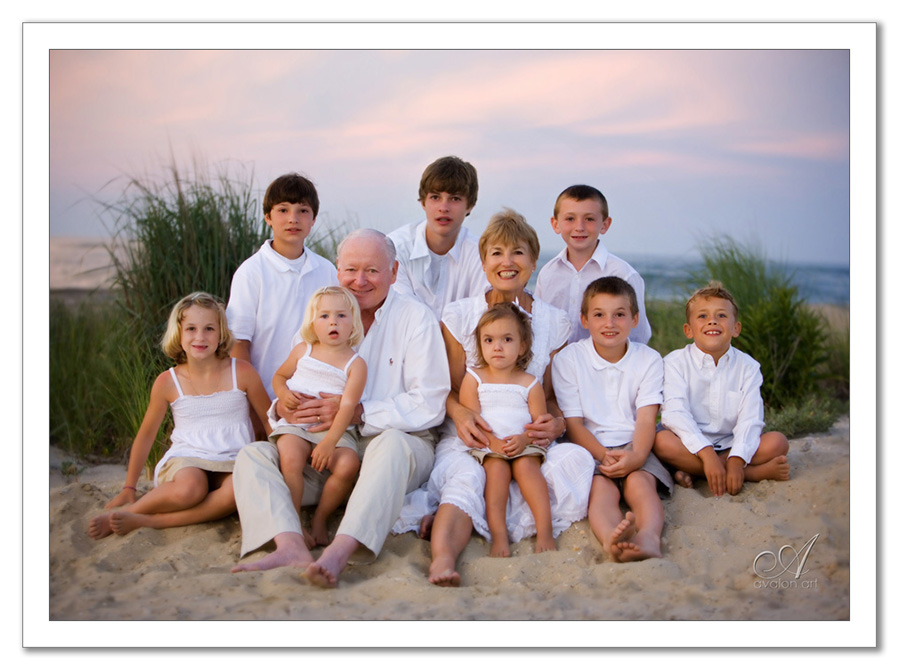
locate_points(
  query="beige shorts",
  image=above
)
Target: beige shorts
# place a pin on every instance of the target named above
(350, 438)
(530, 450)
(170, 467)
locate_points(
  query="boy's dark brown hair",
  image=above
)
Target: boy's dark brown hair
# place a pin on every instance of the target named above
(610, 286)
(579, 193)
(450, 174)
(714, 289)
(500, 311)
(293, 188)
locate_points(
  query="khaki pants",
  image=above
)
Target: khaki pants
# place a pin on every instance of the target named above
(393, 463)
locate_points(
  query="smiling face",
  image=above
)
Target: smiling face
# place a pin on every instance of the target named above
(580, 223)
(501, 343)
(364, 268)
(291, 223)
(712, 325)
(445, 213)
(609, 319)
(200, 332)
(508, 266)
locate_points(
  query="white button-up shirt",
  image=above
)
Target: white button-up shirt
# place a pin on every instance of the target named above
(268, 299)
(408, 373)
(437, 280)
(559, 284)
(607, 395)
(718, 405)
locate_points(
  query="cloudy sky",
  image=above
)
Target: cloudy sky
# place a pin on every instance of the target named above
(684, 143)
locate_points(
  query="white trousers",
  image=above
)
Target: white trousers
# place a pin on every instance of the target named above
(393, 463)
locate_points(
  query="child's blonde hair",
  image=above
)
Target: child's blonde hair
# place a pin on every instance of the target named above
(501, 311)
(714, 289)
(171, 340)
(307, 332)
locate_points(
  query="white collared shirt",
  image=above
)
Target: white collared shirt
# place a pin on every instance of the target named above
(268, 299)
(718, 405)
(559, 284)
(433, 279)
(607, 395)
(408, 373)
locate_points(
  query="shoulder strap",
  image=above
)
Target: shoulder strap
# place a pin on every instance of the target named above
(177, 385)
(531, 385)
(475, 375)
(234, 373)
(349, 363)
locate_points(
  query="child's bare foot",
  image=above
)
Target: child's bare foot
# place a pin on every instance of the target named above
(290, 551)
(777, 469)
(308, 540)
(545, 544)
(499, 548)
(684, 479)
(123, 523)
(625, 530)
(443, 573)
(320, 537)
(424, 528)
(99, 526)
(642, 547)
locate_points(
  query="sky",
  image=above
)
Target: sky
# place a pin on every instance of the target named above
(685, 144)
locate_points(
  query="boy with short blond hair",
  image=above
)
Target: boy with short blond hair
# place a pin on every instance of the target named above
(712, 413)
(270, 289)
(609, 390)
(580, 216)
(438, 257)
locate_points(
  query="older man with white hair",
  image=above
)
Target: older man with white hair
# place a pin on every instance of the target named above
(404, 400)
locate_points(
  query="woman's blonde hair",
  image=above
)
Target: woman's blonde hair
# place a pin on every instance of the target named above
(307, 332)
(171, 340)
(510, 228)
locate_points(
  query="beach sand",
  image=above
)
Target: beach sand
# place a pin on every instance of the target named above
(706, 573)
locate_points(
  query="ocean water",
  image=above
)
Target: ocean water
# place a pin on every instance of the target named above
(667, 278)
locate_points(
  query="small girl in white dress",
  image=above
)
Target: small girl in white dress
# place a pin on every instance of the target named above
(323, 364)
(210, 394)
(507, 397)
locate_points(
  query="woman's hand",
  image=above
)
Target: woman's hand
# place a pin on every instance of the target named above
(471, 428)
(544, 429)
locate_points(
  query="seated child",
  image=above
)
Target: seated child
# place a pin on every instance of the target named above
(439, 261)
(506, 396)
(609, 390)
(282, 273)
(210, 395)
(713, 412)
(324, 363)
(580, 216)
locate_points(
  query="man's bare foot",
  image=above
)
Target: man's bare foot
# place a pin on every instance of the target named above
(545, 544)
(424, 528)
(99, 526)
(777, 469)
(443, 573)
(123, 523)
(326, 570)
(684, 479)
(290, 551)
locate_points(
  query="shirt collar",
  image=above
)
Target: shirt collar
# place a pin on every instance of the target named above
(279, 262)
(701, 359)
(600, 256)
(601, 363)
(420, 243)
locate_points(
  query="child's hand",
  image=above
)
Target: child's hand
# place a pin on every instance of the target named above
(734, 477)
(125, 497)
(514, 445)
(321, 456)
(713, 469)
(620, 463)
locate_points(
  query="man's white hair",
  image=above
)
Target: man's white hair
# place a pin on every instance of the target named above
(372, 234)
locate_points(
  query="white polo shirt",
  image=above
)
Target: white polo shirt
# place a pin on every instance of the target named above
(559, 284)
(607, 395)
(268, 299)
(718, 405)
(434, 279)
(408, 373)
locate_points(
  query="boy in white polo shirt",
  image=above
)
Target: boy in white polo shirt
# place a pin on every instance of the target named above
(580, 216)
(270, 289)
(609, 389)
(438, 257)
(713, 412)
